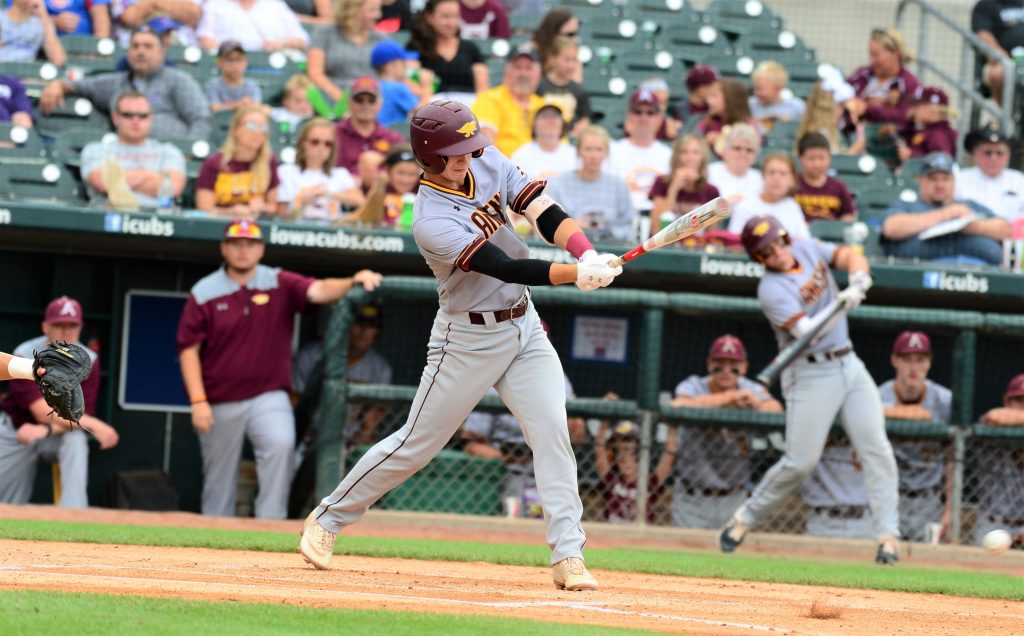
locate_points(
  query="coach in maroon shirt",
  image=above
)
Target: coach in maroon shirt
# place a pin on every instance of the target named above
(234, 343)
(360, 132)
(820, 196)
(28, 430)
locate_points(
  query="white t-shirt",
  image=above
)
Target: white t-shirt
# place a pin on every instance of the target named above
(787, 211)
(1004, 195)
(323, 208)
(266, 20)
(639, 167)
(541, 164)
(728, 184)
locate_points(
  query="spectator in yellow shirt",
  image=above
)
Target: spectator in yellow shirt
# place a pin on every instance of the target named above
(506, 111)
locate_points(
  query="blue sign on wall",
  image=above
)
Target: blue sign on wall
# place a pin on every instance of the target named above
(150, 375)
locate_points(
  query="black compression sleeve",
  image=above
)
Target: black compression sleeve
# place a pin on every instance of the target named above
(493, 261)
(549, 220)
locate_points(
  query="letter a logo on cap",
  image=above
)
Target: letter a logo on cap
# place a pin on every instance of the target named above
(67, 308)
(728, 345)
(468, 129)
(915, 342)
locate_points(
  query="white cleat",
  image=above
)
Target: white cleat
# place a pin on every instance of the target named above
(317, 544)
(570, 574)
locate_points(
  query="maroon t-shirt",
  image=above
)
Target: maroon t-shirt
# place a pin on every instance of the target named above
(686, 200)
(231, 183)
(351, 144)
(937, 137)
(491, 13)
(620, 498)
(245, 332)
(23, 393)
(831, 201)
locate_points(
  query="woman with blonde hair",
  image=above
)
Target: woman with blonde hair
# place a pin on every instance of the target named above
(884, 88)
(241, 179)
(313, 188)
(340, 52)
(686, 184)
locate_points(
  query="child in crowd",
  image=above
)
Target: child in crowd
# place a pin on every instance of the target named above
(771, 101)
(547, 155)
(402, 177)
(928, 129)
(399, 96)
(313, 188)
(618, 470)
(699, 81)
(727, 106)
(295, 106)
(26, 27)
(686, 184)
(231, 89)
(819, 195)
(560, 64)
(776, 199)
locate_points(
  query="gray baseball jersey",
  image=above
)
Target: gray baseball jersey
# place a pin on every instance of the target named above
(450, 226)
(921, 463)
(714, 458)
(465, 359)
(787, 296)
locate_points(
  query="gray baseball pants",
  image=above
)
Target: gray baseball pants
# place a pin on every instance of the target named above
(18, 465)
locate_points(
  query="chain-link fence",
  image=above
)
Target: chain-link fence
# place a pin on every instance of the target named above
(645, 457)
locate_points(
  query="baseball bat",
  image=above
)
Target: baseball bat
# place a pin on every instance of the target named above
(690, 223)
(793, 350)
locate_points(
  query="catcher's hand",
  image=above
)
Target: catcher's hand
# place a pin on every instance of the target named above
(66, 366)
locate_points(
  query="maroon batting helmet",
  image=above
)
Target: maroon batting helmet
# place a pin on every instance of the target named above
(442, 129)
(760, 232)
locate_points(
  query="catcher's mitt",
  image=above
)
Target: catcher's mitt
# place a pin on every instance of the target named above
(67, 366)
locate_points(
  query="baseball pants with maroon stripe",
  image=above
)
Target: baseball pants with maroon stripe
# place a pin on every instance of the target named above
(463, 361)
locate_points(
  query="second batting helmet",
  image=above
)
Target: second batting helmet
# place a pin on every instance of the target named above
(760, 232)
(442, 129)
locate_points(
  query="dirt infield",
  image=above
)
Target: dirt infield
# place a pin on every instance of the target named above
(668, 604)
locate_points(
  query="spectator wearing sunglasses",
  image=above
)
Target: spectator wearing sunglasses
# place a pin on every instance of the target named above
(641, 158)
(360, 132)
(126, 173)
(313, 188)
(714, 464)
(991, 182)
(241, 180)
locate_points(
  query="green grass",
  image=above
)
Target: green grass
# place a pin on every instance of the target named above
(703, 564)
(31, 613)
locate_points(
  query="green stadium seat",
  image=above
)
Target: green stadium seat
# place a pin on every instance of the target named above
(34, 75)
(873, 202)
(861, 171)
(262, 63)
(88, 54)
(524, 23)
(221, 124)
(77, 112)
(782, 136)
(741, 17)
(190, 57)
(67, 147)
(195, 151)
(20, 145)
(44, 182)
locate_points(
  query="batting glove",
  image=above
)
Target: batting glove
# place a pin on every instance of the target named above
(851, 297)
(595, 272)
(861, 280)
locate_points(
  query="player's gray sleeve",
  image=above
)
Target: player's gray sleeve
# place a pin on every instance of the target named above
(691, 387)
(444, 238)
(943, 411)
(779, 304)
(515, 179)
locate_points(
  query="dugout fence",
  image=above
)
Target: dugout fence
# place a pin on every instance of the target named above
(969, 475)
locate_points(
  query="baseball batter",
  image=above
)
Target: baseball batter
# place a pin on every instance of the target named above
(486, 332)
(797, 292)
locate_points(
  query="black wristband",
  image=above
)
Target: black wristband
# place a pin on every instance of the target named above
(549, 220)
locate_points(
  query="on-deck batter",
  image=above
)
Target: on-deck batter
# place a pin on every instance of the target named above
(486, 332)
(796, 293)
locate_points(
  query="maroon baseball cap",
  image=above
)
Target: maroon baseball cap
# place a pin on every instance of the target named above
(243, 228)
(63, 310)
(931, 95)
(912, 342)
(1016, 387)
(365, 84)
(701, 75)
(643, 97)
(728, 347)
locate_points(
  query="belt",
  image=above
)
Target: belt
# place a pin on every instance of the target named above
(919, 494)
(711, 492)
(835, 354)
(841, 512)
(1007, 521)
(515, 311)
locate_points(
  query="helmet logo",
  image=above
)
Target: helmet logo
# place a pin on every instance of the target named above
(761, 228)
(468, 129)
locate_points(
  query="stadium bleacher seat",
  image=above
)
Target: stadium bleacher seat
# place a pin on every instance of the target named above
(20, 145)
(861, 171)
(88, 54)
(873, 202)
(34, 75)
(742, 17)
(77, 112)
(67, 147)
(43, 182)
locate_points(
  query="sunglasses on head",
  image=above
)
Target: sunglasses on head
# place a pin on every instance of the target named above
(128, 114)
(253, 126)
(734, 369)
(316, 143)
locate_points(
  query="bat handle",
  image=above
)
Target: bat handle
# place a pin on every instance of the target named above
(616, 262)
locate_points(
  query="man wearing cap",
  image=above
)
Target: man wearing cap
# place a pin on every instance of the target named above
(928, 128)
(991, 182)
(714, 464)
(506, 111)
(640, 158)
(234, 342)
(997, 471)
(976, 243)
(29, 431)
(547, 155)
(398, 95)
(175, 18)
(179, 107)
(127, 173)
(360, 132)
(230, 89)
(923, 464)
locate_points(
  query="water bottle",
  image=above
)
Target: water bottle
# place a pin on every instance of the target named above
(405, 220)
(165, 196)
(666, 219)
(855, 234)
